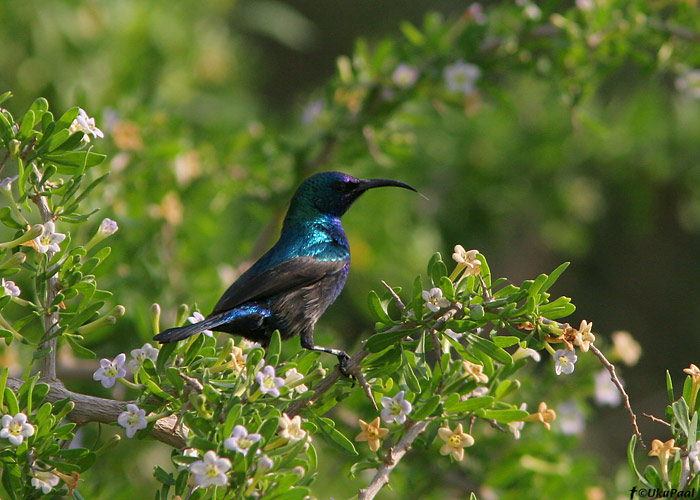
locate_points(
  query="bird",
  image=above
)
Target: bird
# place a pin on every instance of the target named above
(292, 285)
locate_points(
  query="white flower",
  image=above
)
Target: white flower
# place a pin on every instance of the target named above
(140, 355)
(564, 362)
(269, 383)
(6, 183)
(133, 419)
(606, 392)
(475, 12)
(291, 377)
(240, 440)
(265, 463)
(44, 480)
(10, 288)
(108, 227)
(461, 76)
(694, 456)
(396, 408)
(532, 12)
(196, 318)
(16, 428)
(526, 352)
(83, 123)
(312, 112)
(571, 421)
(404, 76)
(476, 393)
(434, 299)
(516, 427)
(291, 428)
(109, 371)
(211, 470)
(689, 83)
(585, 4)
(49, 239)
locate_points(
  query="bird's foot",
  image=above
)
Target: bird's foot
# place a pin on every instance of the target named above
(343, 360)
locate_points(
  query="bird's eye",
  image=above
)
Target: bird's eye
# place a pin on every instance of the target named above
(343, 187)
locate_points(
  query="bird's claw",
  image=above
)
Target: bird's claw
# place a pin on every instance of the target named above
(343, 360)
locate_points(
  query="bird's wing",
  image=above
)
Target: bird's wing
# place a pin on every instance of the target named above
(287, 275)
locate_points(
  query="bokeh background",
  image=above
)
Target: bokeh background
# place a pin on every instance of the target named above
(214, 112)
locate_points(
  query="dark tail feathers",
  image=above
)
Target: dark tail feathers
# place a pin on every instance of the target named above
(182, 332)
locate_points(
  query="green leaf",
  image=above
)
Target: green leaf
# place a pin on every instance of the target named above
(455, 405)
(376, 308)
(669, 387)
(333, 436)
(312, 457)
(6, 131)
(165, 352)
(504, 416)
(447, 287)
(680, 412)
(437, 272)
(67, 118)
(489, 348)
(408, 374)
(74, 162)
(380, 341)
(553, 277)
(413, 34)
(25, 130)
(505, 340)
(426, 409)
(80, 351)
(11, 401)
(537, 285)
(418, 297)
(162, 476)
(559, 308)
(274, 349)
(5, 96)
(3, 384)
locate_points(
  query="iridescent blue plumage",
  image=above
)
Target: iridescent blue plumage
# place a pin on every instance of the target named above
(292, 285)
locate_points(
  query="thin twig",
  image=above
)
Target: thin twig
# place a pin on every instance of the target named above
(395, 296)
(618, 384)
(391, 460)
(656, 419)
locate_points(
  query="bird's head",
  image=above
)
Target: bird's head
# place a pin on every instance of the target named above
(332, 193)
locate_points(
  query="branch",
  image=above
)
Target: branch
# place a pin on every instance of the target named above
(93, 409)
(618, 384)
(391, 460)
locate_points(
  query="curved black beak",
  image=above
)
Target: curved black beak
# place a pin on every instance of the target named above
(366, 184)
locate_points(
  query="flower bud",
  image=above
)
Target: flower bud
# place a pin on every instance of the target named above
(108, 227)
(155, 318)
(265, 463)
(15, 148)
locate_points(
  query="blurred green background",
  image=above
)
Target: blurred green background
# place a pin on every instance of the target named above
(203, 106)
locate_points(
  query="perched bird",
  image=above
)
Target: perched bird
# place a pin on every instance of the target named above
(292, 285)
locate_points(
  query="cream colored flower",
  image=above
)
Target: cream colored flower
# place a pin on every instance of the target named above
(476, 371)
(543, 415)
(693, 371)
(467, 259)
(626, 348)
(663, 451)
(291, 428)
(584, 337)
(455, 441)
(372, 433)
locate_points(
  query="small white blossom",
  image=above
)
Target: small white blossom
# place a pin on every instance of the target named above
(312, 112)
(570, 418)
(108, 227)
(265, 463)
(109, 371)
(434, 299)
(291, 377)
(240, 440)
(606, 392)
(140, 355)
(211, 470)
(564, 362)
(475, 12)
(694, 456)
(291, 428)
(269, 383)
(16, 428)
(526, 352)
(6, 183)
(198, 317)
(585, 4)
(516, 427)
(532, 12)
(83, 123)
(689, 83)
(133, 419)
(9, 288)
(461, 76)
(405, 76)
(49, 239)
(44, 480)
(476, 393)
(396, 408)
